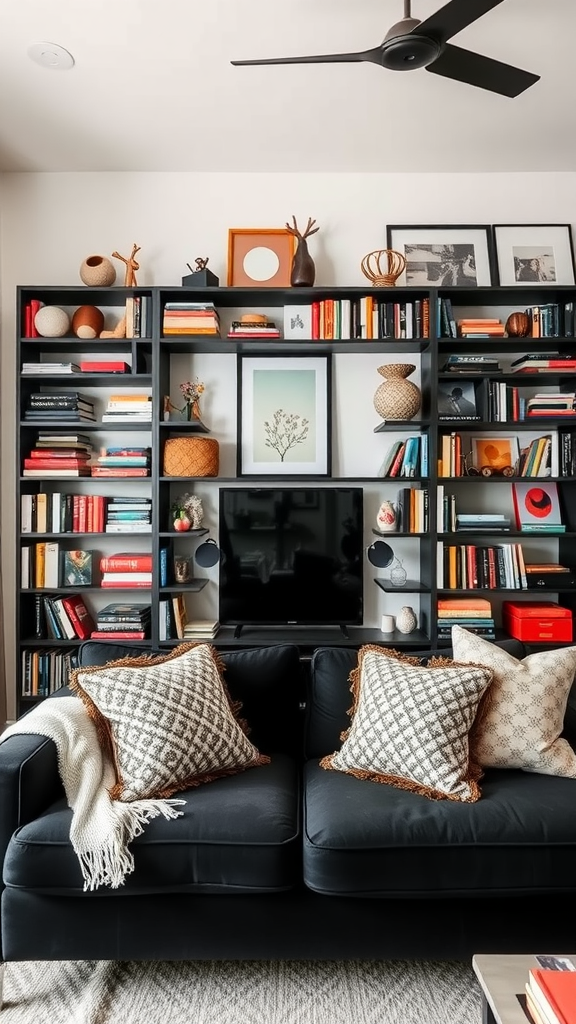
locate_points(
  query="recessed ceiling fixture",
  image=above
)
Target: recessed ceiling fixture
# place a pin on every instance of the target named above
(51, 55)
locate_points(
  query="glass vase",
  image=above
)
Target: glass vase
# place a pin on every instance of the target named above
(398, 574)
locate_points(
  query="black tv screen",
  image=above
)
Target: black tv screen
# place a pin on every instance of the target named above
(291, 556)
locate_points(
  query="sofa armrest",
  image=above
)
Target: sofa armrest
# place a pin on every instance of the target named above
(29, 782)
(569, 731)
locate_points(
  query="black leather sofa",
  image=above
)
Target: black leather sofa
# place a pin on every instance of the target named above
(289, 861)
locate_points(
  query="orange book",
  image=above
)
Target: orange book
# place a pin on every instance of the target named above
(555, 994)
(479, 604)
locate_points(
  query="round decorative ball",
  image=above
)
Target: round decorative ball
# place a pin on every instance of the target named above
(397, 398)
(52, 322)
(87, 322)
(97, 271)
(518, 325)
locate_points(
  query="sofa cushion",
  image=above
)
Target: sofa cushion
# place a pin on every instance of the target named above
(329, 693)
(239, 834)
(362, 839)
(410, 723)
(267, 680)
(167, 722)
(522, 719)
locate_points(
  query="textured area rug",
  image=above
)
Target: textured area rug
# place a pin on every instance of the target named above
(245, 992)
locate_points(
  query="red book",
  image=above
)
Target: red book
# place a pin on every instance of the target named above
(59, 453)
(38, 463)
(79, 615)
(315, 321)
(558, 990)
(112, 584)
(118, 471)
(104, 367)
(126, 560)
(35, 305)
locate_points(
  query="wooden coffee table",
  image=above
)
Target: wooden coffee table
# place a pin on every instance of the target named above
(502, 979)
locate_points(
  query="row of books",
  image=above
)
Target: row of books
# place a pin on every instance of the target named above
(190, 318)
(128, 408)
(254, 329)
(543, 456)
(121, 460)
(544, 362)
(45, 565)
(413, 510)
(45, 671)
(366, 317)
(138, 316)
(63, 405)
(407, 457)
(62, 617)
(123, 621)
(473, 566)
(35, 369)
(498, 402)
(548, 320)
(56, 512)
(449, 520)
(551, 994)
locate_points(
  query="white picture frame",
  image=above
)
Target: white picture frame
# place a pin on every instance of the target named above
(534, 255)
(280, 397)
(444, 255)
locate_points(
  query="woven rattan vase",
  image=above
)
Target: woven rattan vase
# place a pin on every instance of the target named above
(397, 398)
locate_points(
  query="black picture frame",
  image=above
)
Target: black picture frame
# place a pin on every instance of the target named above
(458, 271)
(457, 400)
(265, 398)
(517, 246)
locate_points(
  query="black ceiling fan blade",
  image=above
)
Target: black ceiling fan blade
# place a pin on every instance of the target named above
(374, 56)
(484, 72)
(455, 16)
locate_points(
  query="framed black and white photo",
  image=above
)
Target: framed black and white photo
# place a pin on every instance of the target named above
(444, 255)
(284, 415)
(457, 401)
(534, 254)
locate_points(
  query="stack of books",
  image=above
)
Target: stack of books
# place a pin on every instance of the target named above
(472, 364)
(34, 369)
(255, 328)
(128, 515)
(59, 405)
(544, 404)
(475, 521)
(201, 629)
(126, 570)
(481, 327)
(59, 455)
(472, 613)
(122, 461)
(544, 362)
(128, 408)
(123, 621)
(551, 995)
(190, 318)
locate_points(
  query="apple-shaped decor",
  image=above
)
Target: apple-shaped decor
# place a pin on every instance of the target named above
(182, 523)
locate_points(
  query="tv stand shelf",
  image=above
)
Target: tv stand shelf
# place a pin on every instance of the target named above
(308, 638)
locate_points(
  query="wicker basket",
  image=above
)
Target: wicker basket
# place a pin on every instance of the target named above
(191, 456)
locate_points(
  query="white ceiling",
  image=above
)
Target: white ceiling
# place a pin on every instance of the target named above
(152, 89)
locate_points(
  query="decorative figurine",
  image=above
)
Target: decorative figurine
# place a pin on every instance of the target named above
(131, 266)
(118, 332)
(187, 512)
(201, 264)
(387, 518)
(303, 269)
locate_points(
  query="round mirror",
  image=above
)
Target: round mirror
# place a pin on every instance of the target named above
(380, 554)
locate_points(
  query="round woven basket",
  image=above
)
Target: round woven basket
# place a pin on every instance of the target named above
(191, 456)
(397, 398)
(383, 267)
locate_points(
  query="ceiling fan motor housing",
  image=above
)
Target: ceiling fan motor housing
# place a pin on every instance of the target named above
(405, 49)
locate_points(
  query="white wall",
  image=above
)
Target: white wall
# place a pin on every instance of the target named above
(50, 222)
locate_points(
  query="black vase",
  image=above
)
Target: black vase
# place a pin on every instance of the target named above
(303, 269)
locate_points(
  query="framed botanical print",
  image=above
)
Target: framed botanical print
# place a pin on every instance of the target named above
(283, 416)
(534, 254)
(443, 255)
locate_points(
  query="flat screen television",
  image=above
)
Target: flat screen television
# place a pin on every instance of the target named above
(291, 556)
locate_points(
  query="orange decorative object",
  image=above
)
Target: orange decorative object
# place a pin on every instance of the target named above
(87, 322)
(131, 266)
(383, 267)
(518, 325)
(118, 332)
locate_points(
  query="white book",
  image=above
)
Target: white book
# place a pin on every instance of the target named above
(52, 564)
(25, 563)
(56, 507)
(345, 319)
(26, 513)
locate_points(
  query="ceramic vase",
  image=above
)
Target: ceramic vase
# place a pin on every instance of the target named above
(406, 620)
(97, 271)
(387, 518)
(397, 398)
(52, 322)
(303, 269)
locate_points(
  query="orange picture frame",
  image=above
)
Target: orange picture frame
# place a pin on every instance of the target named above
(260, 257)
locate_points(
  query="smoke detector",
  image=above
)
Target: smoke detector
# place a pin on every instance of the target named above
(51, 55)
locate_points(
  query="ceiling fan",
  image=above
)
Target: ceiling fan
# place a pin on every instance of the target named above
(411, 44)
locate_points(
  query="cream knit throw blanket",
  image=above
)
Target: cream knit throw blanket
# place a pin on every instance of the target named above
(101, 828)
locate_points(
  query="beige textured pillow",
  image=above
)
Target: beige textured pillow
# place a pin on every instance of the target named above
(410, 724)
(520, 725)
(167, 721)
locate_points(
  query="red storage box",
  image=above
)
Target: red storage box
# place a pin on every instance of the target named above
(537, 620)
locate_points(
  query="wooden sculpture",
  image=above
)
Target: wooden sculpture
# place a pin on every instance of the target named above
(131, 266)
(303, 269)
(118, 332)
(201, 264)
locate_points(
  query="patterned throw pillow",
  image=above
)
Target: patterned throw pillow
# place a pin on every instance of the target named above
(409, 724)
(167, 722)
(520, 725)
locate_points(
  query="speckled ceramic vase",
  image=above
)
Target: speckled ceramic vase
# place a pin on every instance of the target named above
(97, 271)
(406, 620)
